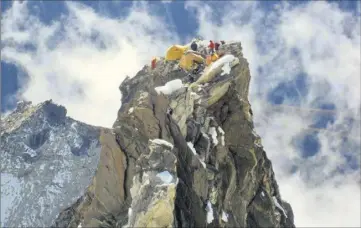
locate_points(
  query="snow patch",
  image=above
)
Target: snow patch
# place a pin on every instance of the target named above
(203, 163)
(212, 131)
(254, 133)
(162, 142)
(10, 190)
(130, 110)
(262, 193)
(169, 87)
(222, 140)
(223, 60)
(278, 205)
(226, 69)
(166, 177)
(191, 146)
(220, 130)
(209, 212)
(61, 178)
(30, 151)
(79, 226)
(224, 216)
(74, 125)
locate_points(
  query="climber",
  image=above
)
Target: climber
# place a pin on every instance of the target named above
(154, 62)
(216, 46)
(194, 46)
(211, 47)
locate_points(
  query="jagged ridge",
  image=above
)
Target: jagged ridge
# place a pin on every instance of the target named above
(201, 165)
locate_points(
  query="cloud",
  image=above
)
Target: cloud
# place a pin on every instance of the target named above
(167, 1)
(321, 42)
(80, 60)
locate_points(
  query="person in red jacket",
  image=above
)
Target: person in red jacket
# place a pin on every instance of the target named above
(211, 46)
(154, 62)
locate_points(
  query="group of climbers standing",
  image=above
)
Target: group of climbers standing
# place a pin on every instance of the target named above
(214, 53)
(212, 47)
(191, 59)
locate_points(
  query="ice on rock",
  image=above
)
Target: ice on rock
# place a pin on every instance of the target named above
(166, 177)
(162, 142)
(209, 212)
(212, 131)
(191, 146)
(169, 87)
(278, 205)
(224, 216)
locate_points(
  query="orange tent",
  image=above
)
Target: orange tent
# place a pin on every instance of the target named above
(211, 58)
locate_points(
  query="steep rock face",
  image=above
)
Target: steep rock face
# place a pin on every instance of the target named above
(47, 162)
(187, 156)
(104, 200)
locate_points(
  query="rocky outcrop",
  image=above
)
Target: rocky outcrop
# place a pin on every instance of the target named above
(104, 200)
(47, 162)
(184, 157)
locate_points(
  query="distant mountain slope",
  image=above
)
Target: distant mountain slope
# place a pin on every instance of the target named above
(47, 162)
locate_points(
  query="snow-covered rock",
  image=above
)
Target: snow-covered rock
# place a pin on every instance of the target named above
(210, 216)
(224, 216)
(213, 133)
(169, 87)
(47, 162)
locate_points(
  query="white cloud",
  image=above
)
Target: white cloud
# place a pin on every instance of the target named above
(167, 1)
(327, 42)
(80, 60)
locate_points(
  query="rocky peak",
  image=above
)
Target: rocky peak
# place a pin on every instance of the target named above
(22, 104)
(26, 113)
(183, 152)
(47, 161)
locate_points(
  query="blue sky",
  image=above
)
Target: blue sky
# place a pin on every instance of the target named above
(303, 54)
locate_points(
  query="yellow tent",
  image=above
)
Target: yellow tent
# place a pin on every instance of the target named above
(188, 59)
(211, 58)
(175, 52)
